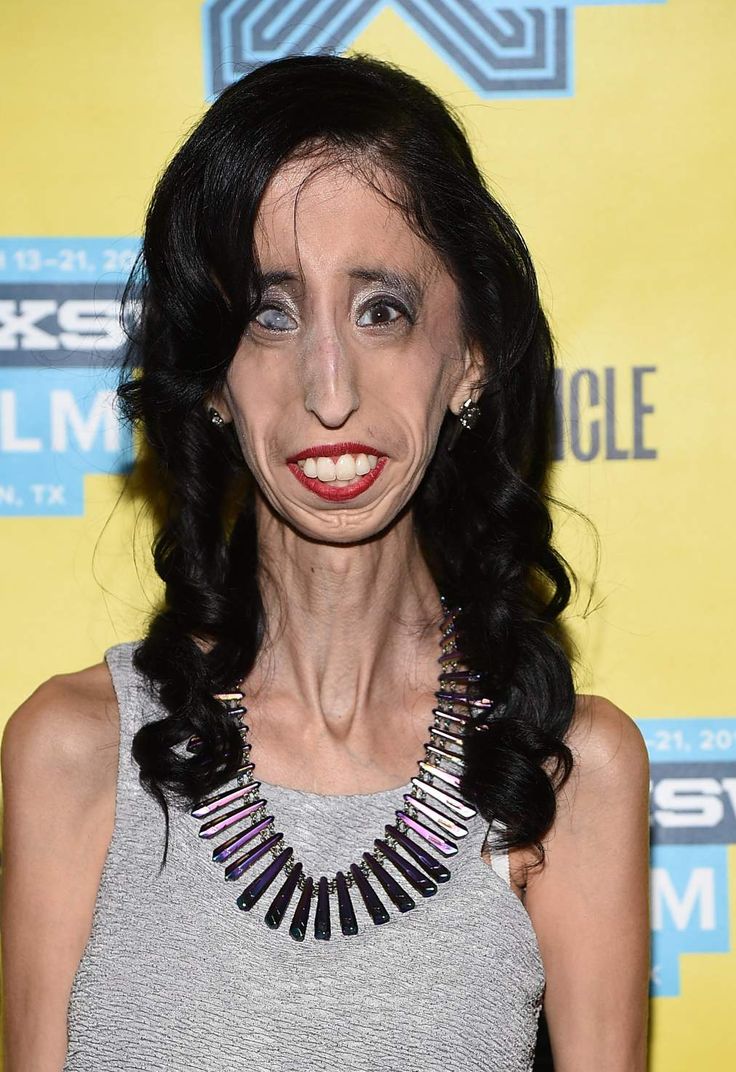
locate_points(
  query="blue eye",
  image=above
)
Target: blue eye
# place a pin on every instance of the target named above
(380, 313)
(274, 319)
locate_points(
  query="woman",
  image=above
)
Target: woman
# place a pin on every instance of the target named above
(346, 384)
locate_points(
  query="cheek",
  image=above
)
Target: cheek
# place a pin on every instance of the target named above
(259, 381)
(426, 390)
(255, 405)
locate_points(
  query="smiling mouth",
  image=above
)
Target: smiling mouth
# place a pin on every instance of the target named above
(342, 469)
(337, 472)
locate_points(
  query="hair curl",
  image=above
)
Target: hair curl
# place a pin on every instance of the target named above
(481, 512)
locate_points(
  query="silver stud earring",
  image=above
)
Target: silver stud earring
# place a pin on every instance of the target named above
(214, 416)
(466, 418)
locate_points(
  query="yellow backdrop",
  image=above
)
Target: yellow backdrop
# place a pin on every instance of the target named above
(620, 176)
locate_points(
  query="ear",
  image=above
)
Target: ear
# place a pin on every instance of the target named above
(470, 383)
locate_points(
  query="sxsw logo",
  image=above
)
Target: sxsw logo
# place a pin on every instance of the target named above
(60, 349)
(78, 321)
(693, 803)
(515, 48)
(61, 341)
(693, 824)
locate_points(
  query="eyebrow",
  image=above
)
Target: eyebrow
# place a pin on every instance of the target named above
(389, 278)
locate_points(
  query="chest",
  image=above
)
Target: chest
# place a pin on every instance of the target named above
(174, 973)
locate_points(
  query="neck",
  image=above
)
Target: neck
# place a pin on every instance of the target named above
(351, 628)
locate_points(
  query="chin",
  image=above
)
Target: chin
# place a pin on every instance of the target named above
(339, 529)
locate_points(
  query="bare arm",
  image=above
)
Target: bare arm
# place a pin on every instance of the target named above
(59, 765)
(590, 903)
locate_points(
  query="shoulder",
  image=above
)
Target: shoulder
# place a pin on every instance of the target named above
(59, 767)
(608, 788)
(607, 791)
(605, 801)
(607, 745)
(68, 727)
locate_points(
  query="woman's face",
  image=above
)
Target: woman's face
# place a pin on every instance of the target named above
(341, 382)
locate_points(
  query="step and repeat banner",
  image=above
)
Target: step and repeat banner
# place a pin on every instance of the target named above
(605, 127)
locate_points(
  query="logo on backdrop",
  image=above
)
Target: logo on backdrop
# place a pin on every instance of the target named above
(515, 48)
(605, 413)
(60, 349)
(693, 821)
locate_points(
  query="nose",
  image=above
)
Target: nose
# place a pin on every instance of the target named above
(330, 387)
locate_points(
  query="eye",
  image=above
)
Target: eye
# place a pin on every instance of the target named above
(380, 313)
(272, 318)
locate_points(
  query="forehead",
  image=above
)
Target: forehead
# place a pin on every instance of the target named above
(324, 214)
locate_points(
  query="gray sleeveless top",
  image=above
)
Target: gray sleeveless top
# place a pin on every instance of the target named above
(175, 976)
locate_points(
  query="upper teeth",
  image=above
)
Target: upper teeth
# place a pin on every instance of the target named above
(347, 467)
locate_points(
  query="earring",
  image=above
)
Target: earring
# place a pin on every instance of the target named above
(466, 418)
(214, 416)
(469, 414)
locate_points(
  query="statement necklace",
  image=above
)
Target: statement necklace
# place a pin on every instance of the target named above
(435, 787)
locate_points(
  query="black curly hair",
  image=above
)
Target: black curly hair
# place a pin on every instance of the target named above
(482, 510)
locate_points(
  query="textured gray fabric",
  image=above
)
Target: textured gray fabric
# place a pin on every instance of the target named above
(176, 977)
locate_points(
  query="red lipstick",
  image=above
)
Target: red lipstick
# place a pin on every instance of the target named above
(329, 491)
(346, 491)
(334, 450)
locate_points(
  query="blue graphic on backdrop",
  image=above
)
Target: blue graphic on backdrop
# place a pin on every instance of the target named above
(56, 426)
(693, 820)
(60, 347)
(515, 48)
(689, 909)
(60, 300)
